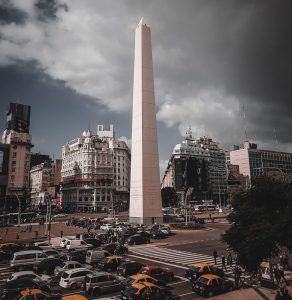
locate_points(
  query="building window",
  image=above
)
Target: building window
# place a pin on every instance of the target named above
(12, 178)
(14, 154)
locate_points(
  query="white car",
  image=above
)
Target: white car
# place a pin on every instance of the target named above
(72, 279)
(106, 227)
(31, 275)
(64, 241)
(78, 245)
(43, 245)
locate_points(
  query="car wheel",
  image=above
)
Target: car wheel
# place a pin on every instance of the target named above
(210, 294)
(73, 286)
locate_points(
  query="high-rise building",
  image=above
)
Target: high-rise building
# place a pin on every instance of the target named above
(18, 117)
(253, 162)
(38, 158)
(95, 172)
(4, 163)
(145, 195)
(17, 136)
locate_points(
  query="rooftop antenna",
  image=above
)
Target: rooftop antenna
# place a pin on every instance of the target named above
(245, 125)
(276, 139)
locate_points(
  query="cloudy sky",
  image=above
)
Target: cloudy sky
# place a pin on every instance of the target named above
(72, 61)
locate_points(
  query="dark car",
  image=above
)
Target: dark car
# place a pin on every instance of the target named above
(79, 256)
(158, 273)
(197, 270)
(146, 291)
(110, 263)
(94, 242)
(158, 234)
(48, 265)
(12, 287)
(128, 232)
(5, 255)
(129, 268)
(209, 285)
(11, 247)
(109, 247)
(138, 239)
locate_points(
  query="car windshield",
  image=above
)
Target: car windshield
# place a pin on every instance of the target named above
(195, 269)
(203, 280)
(63, 265)
(65, 275)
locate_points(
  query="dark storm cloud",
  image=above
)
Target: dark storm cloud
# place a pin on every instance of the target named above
(9, 14)
(47, 9)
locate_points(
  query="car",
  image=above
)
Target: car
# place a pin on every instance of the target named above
(106, 227)
(27, 258)
(101, 282)
(158, 234)
(43, 245)
(78, 255)
(94, 256)
(197, 270)
(94, 242)
(5, 255)
(111, 247)
(110, 263)
(129, 268)
(69, 265)
(37, 294)
(11, 247)
(137, 239)
(30, 274)
(158, 273)
(140, 278)
(48, 265)
(52, 253)
(72, 279)
(78, 245)
(64, 241)
(145, 291)
(209, 285)
(13, 287)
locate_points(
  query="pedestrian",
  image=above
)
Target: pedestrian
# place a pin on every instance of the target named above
(223, 262)
(282, 285)
(237, 273)
(61, 233)
(6, 230)
(36, 233)
(277, 274)
(215, 255)
(17, 236)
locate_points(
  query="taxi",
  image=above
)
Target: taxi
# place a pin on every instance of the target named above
(139, 278)
(36, 294)
(146, 290)
(196, 270)
(110, 263)
(209, 285)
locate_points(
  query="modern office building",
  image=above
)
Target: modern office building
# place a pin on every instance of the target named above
(95, 173)
(253, 162)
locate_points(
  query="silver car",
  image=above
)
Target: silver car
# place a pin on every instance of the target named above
(72, 279)
(69, 265)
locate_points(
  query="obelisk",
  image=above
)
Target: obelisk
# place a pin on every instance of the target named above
(145, 195)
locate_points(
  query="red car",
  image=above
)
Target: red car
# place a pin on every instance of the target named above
(158, 273)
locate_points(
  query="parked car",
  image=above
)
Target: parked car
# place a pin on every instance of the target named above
(30, 274)
(145, 291)
(52, 253)
(109, 247)
(11, 247)
(101, 282)
(72, 279)
(24, 259)
(137, 239)
(197, 270)
(37, 294)
(48, 265)
(64, 241)
(94, 242)
(209, 285)
(158, 273)
(13, 287)
(79, 255)
(43, 245)
(129, 268)
(106, 227)
(158, 234)
(5, 255)
(110, 263)
(94, 256)
(140, 278)
(77, 244)
(69, 265)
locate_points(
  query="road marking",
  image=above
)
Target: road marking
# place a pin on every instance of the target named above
(186, 294)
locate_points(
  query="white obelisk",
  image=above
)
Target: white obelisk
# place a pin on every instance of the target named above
(145, 195)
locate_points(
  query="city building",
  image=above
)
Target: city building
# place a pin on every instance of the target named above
(145, 195)
(197, 170)
(253, 162)
(95, 174)
(38, 158)
(45, 181)
(4, 163)
(17, 136)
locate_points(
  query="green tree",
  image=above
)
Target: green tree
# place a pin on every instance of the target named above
(261, 221)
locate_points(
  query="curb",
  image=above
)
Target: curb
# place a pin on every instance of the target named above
(260, 293)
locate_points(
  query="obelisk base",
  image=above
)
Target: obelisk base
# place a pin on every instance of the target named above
(146, 220)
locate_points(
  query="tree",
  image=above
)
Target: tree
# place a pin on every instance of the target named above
(261, 221)
(169, 197)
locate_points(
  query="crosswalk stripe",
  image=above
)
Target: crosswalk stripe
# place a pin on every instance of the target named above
(179, 257)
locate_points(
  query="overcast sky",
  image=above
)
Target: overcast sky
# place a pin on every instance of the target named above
(72, 61)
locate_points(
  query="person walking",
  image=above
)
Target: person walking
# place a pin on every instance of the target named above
(223, 259)
(282, 285)
(17, 236)
(61, 233)
(215, 255)
(277, 274)
(6, 230)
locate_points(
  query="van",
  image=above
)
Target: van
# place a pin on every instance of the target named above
(94, 256)
(78, 245)
(27, 258)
